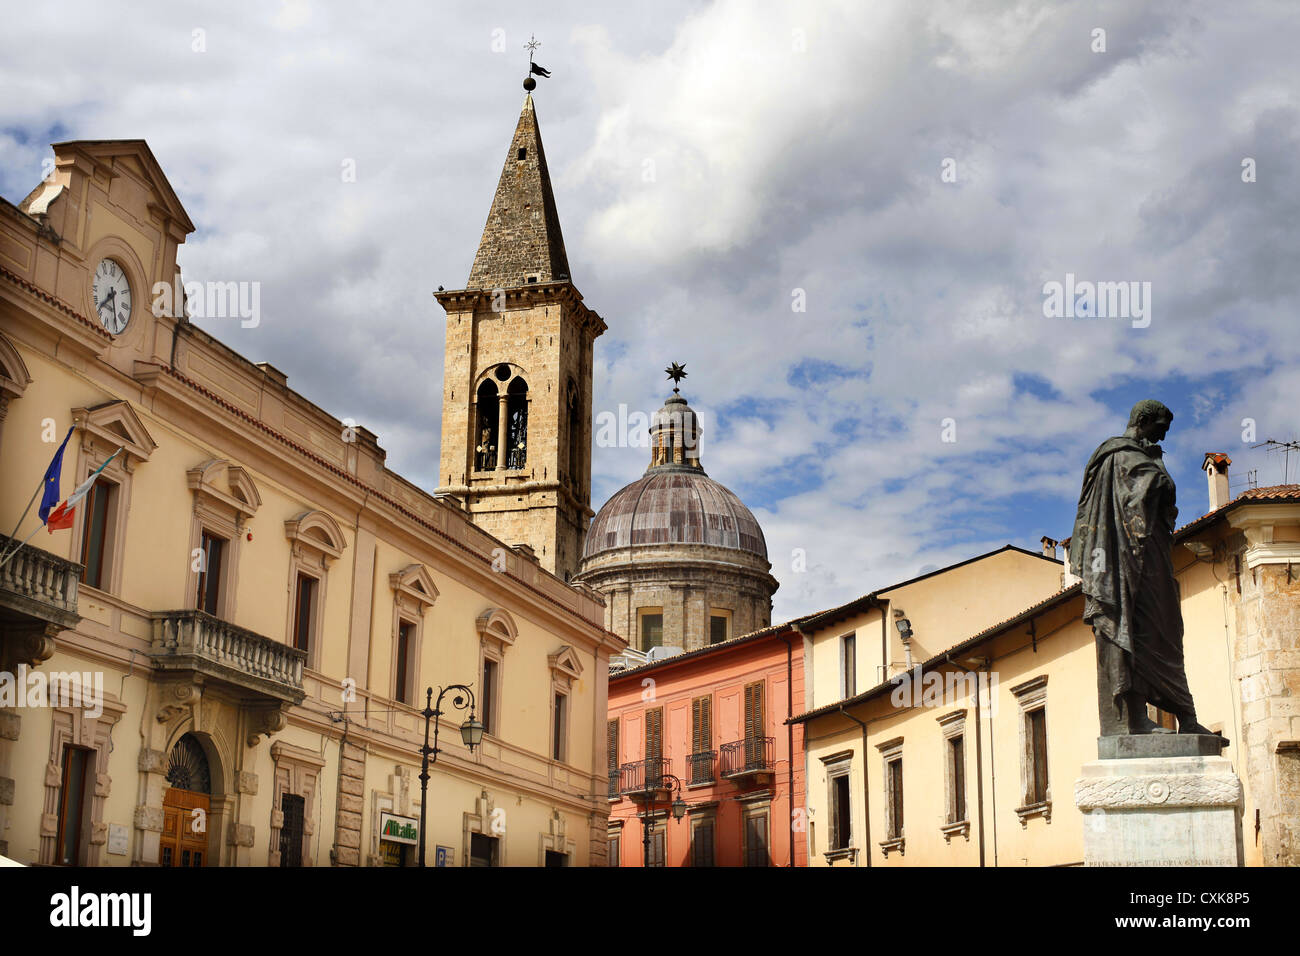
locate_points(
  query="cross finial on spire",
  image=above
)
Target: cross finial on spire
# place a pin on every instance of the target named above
(676, 373)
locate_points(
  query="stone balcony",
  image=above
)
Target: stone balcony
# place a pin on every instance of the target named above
(38, 598)
(197, 642)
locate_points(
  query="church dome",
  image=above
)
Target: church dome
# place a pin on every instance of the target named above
(675, 504)
(679, 558)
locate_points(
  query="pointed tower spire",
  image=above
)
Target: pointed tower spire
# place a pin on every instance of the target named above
(521, 242)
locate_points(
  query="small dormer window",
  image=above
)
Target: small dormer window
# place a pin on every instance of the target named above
(523, 153)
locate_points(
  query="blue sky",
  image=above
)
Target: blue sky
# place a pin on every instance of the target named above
(714, 162)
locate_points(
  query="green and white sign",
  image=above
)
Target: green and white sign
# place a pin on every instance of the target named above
(397, 829)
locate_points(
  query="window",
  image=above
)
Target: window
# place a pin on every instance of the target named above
(654, 746)
(211, 551)
(841, 813)
(719, 627)
(657, 840)
(517, 424)
(403, 690)
(701, 740)
(702, 842)
(1035, 782)
(756, 850)
(292, 805)
(615, 850)
(315, 539)
(754, 726)
(895, 784)
(1037, 732)
(652, 629)
(554, 858)
(522, 154)
(891, 752)
(953, 726)
(575, 438)
(560, 726)
(488, 695)
(485, 438)
(101, 513)
(304, 609)
(483, 850)
(611, 742)
(848, 665)
(74, 804)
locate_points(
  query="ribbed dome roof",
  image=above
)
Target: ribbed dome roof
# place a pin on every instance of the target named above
(675, 505)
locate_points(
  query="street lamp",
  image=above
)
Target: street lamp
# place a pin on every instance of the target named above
(678, 808)
(471, 732)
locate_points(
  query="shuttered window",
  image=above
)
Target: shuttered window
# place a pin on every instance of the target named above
(841, 827)
(611, 736)
(754, 709)
(654, 733)
(957, 769)
(702, 844)
(756, 840)
(895, 799)
(701, 724)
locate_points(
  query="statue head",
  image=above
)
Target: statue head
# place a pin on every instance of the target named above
(1149, 420)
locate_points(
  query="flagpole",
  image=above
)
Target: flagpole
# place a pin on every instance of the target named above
(28, 508)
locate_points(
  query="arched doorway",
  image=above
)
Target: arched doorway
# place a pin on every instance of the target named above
(186, 804)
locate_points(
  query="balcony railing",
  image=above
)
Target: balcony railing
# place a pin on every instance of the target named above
(749, 757)
(197, 641)
(37, 584)
(614, 791)
(701, 766)
(643, 777)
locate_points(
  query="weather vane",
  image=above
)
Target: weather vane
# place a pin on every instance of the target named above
(676, 373)
(529, 83)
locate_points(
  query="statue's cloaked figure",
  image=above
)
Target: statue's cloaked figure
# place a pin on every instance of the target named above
(1121, 548)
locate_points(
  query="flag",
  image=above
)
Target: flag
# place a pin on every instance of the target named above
(62, 516)
(538, 69)
(50, 487)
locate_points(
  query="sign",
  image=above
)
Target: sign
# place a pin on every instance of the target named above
(445, 856)
(117, 839)
(397, 829)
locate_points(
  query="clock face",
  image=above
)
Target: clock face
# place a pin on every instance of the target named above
(112, 294)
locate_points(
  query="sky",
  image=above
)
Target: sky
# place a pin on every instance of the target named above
(840, 216)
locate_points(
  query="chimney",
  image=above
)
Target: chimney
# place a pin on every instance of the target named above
(1216, 471)
(1049, 547)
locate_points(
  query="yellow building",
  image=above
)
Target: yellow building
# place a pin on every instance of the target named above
(970, 756)
(224, 660)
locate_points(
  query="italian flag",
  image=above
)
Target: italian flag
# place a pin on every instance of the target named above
(65, 513)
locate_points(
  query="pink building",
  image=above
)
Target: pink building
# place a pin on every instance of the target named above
(709, 727)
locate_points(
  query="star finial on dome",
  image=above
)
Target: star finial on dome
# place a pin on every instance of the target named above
(676, 373)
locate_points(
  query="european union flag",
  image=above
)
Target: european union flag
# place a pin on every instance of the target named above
(50, 494)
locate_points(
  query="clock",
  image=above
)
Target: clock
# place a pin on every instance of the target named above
(112, 294)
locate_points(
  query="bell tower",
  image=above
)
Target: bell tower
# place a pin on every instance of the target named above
(516, 403)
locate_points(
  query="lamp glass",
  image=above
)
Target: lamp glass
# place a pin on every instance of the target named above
(679, 808)
(471, 732)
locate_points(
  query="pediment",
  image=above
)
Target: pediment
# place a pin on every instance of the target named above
(497, 625)
(415, 582)
(227, 483)
(116, 425)
(316, 530)
(134, 156)
(565, 661)
(14, 377)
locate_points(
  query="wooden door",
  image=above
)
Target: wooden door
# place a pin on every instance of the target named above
(185, 833)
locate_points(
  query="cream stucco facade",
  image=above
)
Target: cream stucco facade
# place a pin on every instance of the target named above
(386, 589)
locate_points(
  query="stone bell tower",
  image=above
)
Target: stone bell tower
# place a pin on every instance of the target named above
(516, 404)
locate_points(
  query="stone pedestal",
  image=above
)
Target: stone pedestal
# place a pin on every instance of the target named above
(1160, 810)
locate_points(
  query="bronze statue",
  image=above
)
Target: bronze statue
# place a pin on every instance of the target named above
(1122, 549)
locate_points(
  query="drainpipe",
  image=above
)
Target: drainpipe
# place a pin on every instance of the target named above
(979, 754)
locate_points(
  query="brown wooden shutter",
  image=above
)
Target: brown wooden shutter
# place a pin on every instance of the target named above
(654, 733)
(754, 710)
(612, 745)
(701, 724)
